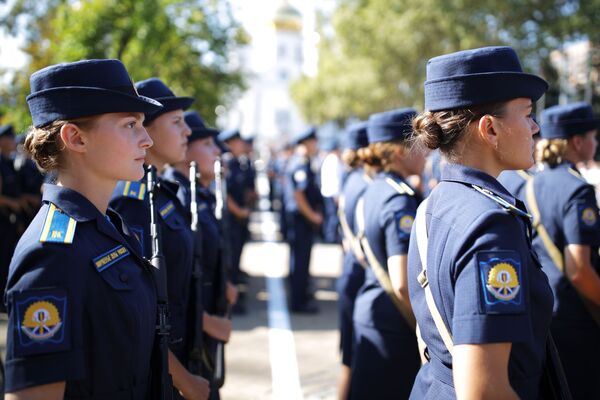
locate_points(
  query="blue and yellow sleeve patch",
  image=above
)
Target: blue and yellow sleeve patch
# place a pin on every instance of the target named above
(501, 282)
(58, 227)
(588, 215)
(404, 222)
(166, 209)
(42, 324)
(105, 260)
(134, 190)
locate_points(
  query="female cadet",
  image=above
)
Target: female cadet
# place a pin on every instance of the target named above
(481, 300)
(204, 151)
(385, 360)
(169, 133)
(565, 213)
(353, 272)
(80, 297)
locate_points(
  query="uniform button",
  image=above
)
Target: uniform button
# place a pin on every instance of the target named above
(124, 278)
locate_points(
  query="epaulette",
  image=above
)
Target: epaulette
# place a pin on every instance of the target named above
(131, 189)
(400, 187)
(58, 227)
(576, 174)
(503, 203)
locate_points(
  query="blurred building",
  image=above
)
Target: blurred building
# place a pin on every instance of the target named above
(273, 59)
(578, 77)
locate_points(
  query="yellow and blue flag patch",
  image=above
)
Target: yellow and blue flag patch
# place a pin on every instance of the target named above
(58, 227)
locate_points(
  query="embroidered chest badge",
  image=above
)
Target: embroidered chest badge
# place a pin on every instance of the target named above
(501, 281)
(41, 321)
(105, 260)
(166, 210)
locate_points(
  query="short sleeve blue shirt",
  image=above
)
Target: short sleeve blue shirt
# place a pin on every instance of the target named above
(389, 215)
(81, 303)
(132, 202)
(569, 212)
(485, 279)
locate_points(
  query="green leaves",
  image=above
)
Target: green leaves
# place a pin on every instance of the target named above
(185, 43)
(377, 58)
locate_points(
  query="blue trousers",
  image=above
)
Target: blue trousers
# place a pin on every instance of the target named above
(301, 238)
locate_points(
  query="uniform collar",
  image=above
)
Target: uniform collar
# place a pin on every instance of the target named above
(471, 176)
(173, 175)
(73, 203)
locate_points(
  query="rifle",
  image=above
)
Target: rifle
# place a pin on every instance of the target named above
(196, 351)
(222, 304)
(162, 383)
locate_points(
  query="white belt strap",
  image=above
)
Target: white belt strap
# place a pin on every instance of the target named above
(422, 241)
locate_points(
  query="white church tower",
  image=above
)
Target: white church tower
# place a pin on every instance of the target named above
(266, 109)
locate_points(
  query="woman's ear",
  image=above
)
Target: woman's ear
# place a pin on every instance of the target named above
(71, 135)
(487, 131)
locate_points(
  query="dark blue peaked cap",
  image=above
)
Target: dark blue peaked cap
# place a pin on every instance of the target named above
(562, 122)
(229, 134)
(157, 90)
(309, 133)
(82, 89)
(356, 136)
(391, 125)
(478, 76)
(7, 130)
(198, 127)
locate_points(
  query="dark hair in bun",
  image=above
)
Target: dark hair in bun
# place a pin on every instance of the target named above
(444, 129)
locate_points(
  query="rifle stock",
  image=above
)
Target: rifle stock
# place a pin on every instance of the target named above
(162, 384)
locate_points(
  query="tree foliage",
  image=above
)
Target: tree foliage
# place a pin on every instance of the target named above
(184, 42)
(376, 58)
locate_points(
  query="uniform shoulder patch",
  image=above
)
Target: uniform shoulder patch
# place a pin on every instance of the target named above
(42, 324)
(108, 258)
(132, 189)
(300, 176)
(501, 282)
(588, 215)
(58, 227)
(404, 222)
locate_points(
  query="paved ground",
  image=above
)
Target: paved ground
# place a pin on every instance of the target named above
(249, 372)
(315, 338)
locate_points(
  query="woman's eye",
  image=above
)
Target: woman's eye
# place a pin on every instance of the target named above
(131, 125)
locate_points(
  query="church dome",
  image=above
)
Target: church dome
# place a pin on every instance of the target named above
(288, 18)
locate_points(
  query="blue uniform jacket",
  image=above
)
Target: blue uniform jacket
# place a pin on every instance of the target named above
(300, 176)
(485, 279)
(82, 303)
(132, 202)
(211, 239)
(389, 216)
(569, 212)
(514, 182)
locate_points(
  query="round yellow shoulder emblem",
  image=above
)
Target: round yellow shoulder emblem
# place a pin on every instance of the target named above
(503, 282)
(588, 216)
(406, 222)
(41, 320)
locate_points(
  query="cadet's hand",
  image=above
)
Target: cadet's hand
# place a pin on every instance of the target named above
(195, 388)
(317, 219)
(231, 293)
(217, 327)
